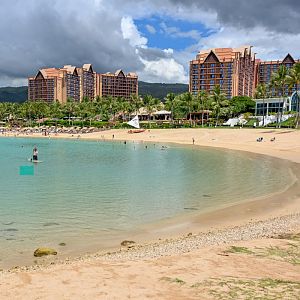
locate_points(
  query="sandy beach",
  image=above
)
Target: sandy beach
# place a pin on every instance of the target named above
(245, 250)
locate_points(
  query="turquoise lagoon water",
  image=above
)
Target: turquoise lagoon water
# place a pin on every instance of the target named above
(90, 189)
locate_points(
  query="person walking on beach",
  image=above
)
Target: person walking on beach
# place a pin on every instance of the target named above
(193, 141)
(35, 154)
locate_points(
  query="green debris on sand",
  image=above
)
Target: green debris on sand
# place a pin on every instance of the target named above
(290, 252)
(173, 280)
(235, 288)
(236, 249)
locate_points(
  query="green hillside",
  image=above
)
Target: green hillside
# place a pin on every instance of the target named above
(13, 94)
(160, 90)
(157, 90)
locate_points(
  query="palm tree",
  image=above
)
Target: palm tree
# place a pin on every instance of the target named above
(150, 104)
(136, 102)
(294, 80)
(27, 111)
(2, 111)
(55, 111)
(279, 81)
(113, 106)
(188, 102)
(202, 99)
(70, 108)
(218, 99)
(261, 93)
(170, 104)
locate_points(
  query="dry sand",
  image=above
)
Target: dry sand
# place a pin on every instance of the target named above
(197, 266)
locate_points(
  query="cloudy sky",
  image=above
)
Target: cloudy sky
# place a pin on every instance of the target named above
(155, 38)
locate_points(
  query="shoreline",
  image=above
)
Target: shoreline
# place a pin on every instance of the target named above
(260, 208)
(269, 228)
(256, 219)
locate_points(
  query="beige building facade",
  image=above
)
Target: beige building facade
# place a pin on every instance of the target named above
(117, 84)
(70, 82)
(231, 68)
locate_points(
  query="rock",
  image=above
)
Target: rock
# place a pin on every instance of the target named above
(127, 243)
(44, 251)
(62, 244)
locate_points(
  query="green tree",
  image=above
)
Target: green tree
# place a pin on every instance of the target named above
(218, 100)
(170, 103)
(69, 108)
(202, 104)
(261, 92)
(150, 105)
(279, 81)
(187, 103)
(136, 102)
(294, 80)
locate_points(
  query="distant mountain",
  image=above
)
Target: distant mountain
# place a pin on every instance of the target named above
(157, 90)
(160, 90)
(13, 94)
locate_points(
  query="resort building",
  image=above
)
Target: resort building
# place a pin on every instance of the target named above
(231, 68)
(61, 84)
(87, 82)
(266, 68)
(72, 83)
(48, 85)
(117, 84)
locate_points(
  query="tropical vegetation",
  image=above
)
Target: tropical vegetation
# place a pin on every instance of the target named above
(109, 111)
(282, 82)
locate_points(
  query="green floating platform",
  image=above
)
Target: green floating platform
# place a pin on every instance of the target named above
(26, 170)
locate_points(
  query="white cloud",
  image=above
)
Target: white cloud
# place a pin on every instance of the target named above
(166, 69)
(150, 29)
(267, 45)
(175, 32)
(131, 33)
(168, 51)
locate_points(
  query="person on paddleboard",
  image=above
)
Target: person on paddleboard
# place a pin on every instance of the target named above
(35, 154)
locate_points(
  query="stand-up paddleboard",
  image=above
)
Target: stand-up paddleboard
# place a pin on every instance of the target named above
(34, 161)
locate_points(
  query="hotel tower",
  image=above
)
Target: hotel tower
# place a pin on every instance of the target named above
(231, 68)
(53, 84)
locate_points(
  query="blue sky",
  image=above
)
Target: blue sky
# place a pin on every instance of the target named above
(164, 32)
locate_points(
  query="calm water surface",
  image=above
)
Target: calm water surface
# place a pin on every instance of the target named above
(86, 189)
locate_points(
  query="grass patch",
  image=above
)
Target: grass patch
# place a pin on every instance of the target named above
(290, 252)
(235, 288)
(236, 249)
